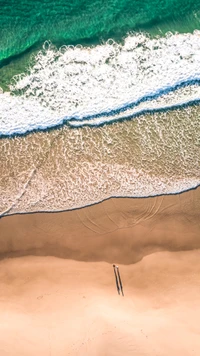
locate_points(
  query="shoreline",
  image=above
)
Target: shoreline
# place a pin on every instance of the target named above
(165, 222)
(2, 215)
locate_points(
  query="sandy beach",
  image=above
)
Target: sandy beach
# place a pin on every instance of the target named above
(57, 287)
(100, 178)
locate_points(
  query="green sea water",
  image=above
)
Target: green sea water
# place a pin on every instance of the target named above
(26, 24)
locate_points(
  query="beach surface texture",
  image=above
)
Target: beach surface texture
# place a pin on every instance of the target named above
(58, 291)
(99, 178)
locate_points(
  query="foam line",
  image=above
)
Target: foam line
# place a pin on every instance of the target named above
(96, 85)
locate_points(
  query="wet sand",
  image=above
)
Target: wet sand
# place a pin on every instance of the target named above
(57, 288)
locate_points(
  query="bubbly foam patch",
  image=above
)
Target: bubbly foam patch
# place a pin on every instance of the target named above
(82, 85)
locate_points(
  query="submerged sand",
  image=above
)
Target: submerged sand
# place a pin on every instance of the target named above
(67, 168)
(57, 288)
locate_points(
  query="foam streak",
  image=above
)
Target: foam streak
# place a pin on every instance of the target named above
(103, 83)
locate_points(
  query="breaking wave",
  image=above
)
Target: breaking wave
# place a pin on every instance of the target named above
(79, 86)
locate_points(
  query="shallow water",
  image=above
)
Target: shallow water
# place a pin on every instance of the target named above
(69, 168)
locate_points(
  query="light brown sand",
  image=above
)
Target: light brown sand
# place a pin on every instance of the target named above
(57, 288)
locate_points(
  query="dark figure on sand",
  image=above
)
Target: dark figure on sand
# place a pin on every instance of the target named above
(118, 280)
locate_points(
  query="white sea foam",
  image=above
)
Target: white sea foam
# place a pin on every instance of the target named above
(174, 99)
(66, 169)
(74, 83)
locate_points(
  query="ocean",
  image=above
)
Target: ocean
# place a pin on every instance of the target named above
(97, 100)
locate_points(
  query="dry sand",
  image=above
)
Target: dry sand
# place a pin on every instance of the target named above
(57, 288)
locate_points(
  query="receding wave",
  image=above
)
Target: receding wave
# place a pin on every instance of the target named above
(91, 86)
(70, 168)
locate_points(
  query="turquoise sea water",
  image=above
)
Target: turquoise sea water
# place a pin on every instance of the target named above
(118, 84)
(23, 24)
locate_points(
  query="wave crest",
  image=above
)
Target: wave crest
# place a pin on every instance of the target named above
(75, 84)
